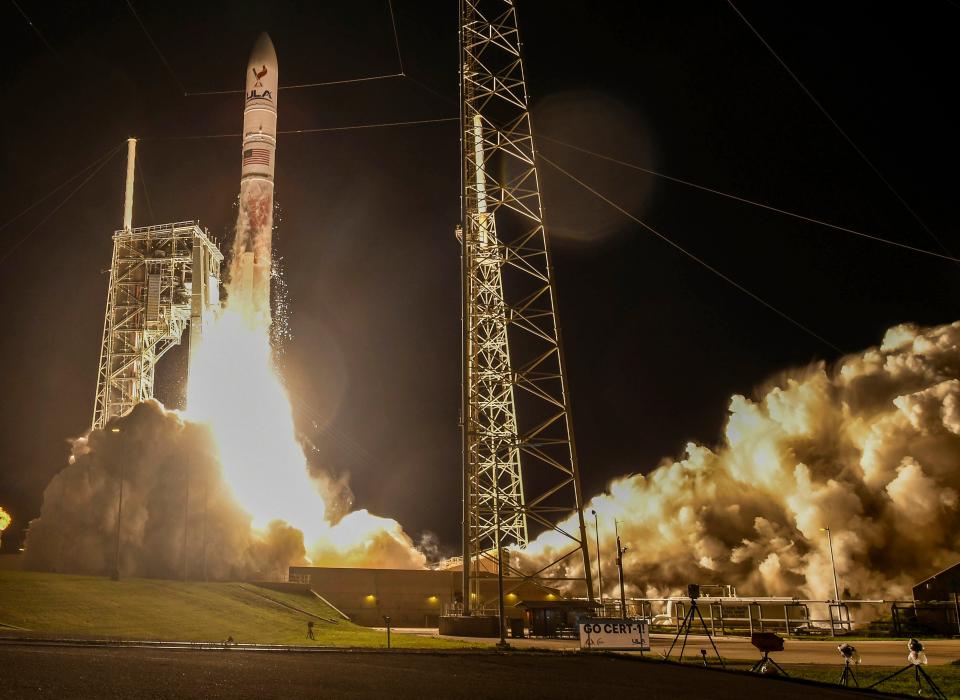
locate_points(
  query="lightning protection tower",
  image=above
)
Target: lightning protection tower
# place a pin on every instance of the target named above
(163, 279)
(520, 471)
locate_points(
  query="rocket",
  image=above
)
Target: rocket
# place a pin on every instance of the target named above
(251, 262)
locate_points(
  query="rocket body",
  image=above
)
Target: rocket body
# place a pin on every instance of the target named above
(252, 249)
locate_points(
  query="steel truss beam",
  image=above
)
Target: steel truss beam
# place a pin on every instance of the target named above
(519, 458)
(162, 279)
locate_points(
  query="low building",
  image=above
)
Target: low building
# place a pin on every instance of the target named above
(943, 586)
(936, 606)
(410, 597)
(555, 618)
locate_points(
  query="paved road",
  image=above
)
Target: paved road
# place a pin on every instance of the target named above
(75, 672)
(880, 652)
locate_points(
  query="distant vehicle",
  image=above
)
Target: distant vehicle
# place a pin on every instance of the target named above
(811, 630)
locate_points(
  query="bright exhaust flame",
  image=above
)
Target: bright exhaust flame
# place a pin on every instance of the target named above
(5, 520)
(234, 388)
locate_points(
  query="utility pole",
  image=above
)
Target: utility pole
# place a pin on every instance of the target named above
(596, 528)
(116, 557)
(833, 564)
(186, 513)
(620, 551)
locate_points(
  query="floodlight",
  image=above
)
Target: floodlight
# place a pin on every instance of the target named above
(693, 591)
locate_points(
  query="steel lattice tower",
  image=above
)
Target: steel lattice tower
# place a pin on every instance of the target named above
(163, 280)
(519, 457)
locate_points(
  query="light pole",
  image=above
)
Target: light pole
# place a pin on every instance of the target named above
(596, 527)
(116, 558)
(836, 581)
(833, 562)
(620, 551)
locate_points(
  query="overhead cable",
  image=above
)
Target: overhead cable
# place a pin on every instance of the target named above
(751, 202)
(59, 187)
(843, 133)
(692, 256)
(156, 48)
(103, 160)
(346, 81)
(318, 130)
(396, 37)
(35, 29)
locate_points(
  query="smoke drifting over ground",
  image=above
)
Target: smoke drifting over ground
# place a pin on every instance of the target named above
(174, 496)
(176, 500)
(869, 448)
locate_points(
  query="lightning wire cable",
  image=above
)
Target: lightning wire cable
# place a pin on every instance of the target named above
(729, 280)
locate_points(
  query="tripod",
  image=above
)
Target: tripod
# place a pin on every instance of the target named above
(920, 675)
(765, 660)
(685, 630)
(848, 674)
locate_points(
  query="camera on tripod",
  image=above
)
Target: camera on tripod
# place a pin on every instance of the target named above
(693, 591)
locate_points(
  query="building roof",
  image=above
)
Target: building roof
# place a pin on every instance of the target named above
(561, 603)
(951, 573)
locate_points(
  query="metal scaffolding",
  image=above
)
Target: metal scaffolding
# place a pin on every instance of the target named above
(520, 471)
(162, 280)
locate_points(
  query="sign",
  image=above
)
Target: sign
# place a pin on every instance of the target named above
(614, 634)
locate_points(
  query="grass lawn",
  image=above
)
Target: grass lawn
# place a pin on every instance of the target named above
(148, 609)
(947, 678)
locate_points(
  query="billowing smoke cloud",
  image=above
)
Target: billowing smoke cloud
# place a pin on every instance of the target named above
(869, 448)
(176, 508)
(177, 504)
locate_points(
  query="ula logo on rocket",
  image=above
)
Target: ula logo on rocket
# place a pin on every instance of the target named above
(258, 74)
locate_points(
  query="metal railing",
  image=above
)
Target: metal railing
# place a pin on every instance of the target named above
(732, 615)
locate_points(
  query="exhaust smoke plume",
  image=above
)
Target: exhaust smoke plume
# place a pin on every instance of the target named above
(869, 448)
(176, 505)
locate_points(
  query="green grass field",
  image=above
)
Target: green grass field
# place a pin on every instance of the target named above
(947, 678)
(146, 609)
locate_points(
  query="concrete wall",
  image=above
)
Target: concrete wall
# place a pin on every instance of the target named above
(412, 598)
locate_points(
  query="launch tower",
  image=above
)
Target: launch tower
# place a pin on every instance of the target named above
(520, 471)
(163, 279)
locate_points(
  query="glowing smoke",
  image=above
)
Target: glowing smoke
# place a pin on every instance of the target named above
(175, 506)
(870, 448)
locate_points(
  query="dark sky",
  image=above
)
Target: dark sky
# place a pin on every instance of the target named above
(655, 343)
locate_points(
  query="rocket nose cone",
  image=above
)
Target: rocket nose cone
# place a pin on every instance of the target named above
(263, 51)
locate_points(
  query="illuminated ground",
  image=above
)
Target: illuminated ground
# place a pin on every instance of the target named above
(42, 672)
(45, 605)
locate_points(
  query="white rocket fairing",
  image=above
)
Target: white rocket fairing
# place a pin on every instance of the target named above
(250, 273)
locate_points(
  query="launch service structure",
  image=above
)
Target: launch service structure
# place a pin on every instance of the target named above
(520, 472)
(164, 279)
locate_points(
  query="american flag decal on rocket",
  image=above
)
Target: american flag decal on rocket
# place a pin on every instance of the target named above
(256, 156)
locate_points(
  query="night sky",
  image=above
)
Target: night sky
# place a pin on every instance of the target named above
(655, 343)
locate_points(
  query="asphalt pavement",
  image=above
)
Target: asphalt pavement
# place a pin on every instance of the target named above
(33, 671)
